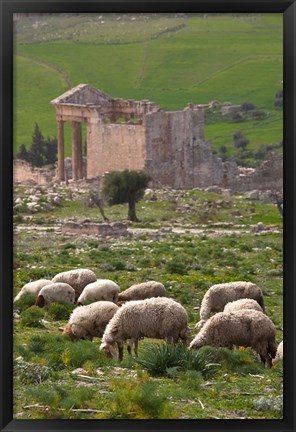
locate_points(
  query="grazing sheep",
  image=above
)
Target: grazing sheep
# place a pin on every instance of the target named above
(142, 291)
(32, 288)
(240, 304)
(219, 295)
(77, 279)
(159, 317)
(279, 353)
(248, 328)
(55, 292)
(102, 289)
(87, 322)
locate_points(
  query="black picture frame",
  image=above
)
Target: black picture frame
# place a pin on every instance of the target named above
(8, 8)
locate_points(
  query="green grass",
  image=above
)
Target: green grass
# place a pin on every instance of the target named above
(224, 58)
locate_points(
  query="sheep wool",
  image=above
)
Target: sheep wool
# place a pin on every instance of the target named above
(55, 292)
(157, 317)
(102, 289)
(248, 328)
(279, 353)
(142, 291)
(219, 295)
(32, 288)
(240, 304)
(77, 279)
(87, 322)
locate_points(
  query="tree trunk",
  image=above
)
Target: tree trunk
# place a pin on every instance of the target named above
(132, 210)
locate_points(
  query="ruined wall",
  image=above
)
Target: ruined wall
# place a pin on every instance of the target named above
(177, 156)
(114, 147)
(24, 172)
(268, 176)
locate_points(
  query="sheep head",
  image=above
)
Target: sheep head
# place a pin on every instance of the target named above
(109, 350)
(40, 301)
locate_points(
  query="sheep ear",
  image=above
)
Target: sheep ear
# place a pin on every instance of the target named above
(40, 301)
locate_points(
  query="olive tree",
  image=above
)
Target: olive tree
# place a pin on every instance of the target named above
(125, 187)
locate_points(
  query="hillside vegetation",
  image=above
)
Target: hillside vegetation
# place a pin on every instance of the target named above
(171, 59)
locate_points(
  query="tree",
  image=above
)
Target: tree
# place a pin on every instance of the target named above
(23, 153)
(125, 187)
(50, 149)
(37, 148)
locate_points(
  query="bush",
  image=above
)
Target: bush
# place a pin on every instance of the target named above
(32, 317)
(60, 310)
(247, 106)
(30, 373)
(26, 301)
(176, 267)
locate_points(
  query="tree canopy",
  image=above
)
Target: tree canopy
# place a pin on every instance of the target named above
(125, 187)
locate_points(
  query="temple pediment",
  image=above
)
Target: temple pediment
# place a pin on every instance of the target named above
(82, 94)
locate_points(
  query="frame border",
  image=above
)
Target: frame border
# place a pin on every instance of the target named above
(7, 8)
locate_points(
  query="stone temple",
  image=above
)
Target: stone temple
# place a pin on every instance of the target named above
(137, 135)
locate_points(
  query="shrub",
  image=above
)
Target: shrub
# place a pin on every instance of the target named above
(60, 310)
(139, 400)
(176, 267)
(247, 106)
(32, 317)
(26, 301)
(30, 373)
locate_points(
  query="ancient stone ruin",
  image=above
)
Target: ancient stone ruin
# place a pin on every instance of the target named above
(139, 135)
(136, 135)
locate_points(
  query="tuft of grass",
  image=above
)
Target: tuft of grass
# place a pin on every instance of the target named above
(165, 360)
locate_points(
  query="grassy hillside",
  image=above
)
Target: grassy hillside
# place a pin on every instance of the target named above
(171, 60)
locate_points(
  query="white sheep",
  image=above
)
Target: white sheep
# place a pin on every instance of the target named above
(142, 291)
(157, 317)
(245, 303)
(77, 279)
(102, 289)
(87, 322)
(248, 328)
(279, 353)
(219, 295)
(32, 288)
(54, 292)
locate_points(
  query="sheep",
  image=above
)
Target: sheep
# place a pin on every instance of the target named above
(279, 353)
(248, 328)
(77, 279)
(55, 292)
(102, 289)
(219, 295)
(142, 291)
(156, 317)
(87, 322)
(245, 303)
(32, 288)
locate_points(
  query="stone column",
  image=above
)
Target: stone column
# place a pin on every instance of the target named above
(76, 151)
(61, 155)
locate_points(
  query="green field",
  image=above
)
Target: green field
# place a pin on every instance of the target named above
(169, 59)
(224, 384)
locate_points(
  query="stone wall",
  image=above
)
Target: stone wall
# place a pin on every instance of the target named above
(268, 176)
(114, 147)
(24, 172)
(177, 155)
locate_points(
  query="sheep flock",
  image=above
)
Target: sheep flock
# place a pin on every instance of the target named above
(231, 314)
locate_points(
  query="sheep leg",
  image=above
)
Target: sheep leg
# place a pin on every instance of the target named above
(120, 351)
(265, 358)
(136, 347)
